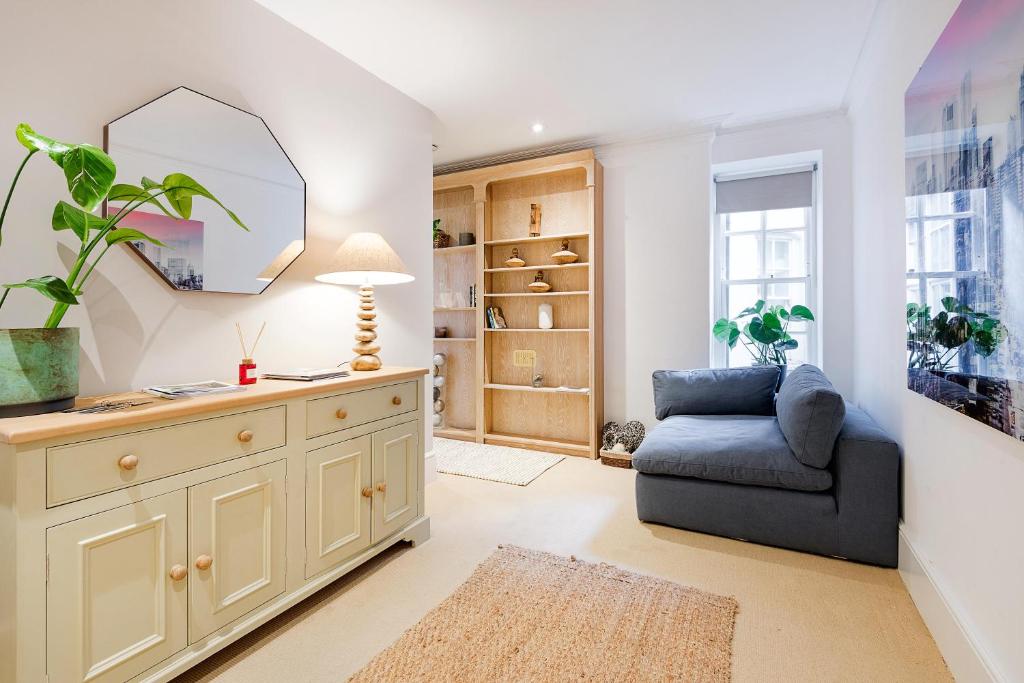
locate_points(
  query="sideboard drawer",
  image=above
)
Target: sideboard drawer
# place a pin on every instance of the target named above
(334, 413)
(91, 467)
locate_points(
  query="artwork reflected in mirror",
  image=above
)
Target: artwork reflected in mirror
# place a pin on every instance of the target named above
(965, 217)
(239, 161)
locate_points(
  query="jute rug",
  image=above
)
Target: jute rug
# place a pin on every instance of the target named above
(494, 463)
(525, 615)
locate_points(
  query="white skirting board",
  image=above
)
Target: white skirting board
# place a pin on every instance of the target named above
(430, 468)
(957, 643)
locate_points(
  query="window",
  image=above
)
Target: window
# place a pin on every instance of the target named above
(764, 249)
(946, 247)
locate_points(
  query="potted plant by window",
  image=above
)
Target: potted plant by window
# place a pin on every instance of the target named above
(764, 334)
(39, 366)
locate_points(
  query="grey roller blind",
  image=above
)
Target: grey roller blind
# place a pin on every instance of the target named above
(763, 193)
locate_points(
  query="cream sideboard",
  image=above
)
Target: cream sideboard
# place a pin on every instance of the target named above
(133, 544)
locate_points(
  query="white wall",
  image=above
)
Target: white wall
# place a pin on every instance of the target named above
(69, 67)
(963, 482)
(829, 136)
(657, 245)
(656, 251)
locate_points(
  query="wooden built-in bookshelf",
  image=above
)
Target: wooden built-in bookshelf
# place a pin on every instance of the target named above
(488, 398)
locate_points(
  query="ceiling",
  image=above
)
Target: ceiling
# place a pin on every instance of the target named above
(594, 69)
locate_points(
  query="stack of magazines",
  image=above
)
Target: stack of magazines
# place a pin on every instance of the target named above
(207, 388)
(308, 374)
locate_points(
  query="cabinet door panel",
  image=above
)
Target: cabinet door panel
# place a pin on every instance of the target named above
(113, 610)
(396, 456)
(238, 524)
(337, 512)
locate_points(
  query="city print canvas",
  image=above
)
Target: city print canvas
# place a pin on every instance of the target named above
(965, 217)
(180, 260)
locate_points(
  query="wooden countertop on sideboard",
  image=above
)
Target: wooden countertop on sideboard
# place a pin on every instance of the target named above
(15, 430)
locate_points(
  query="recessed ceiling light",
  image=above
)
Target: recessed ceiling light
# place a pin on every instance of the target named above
(537, 127)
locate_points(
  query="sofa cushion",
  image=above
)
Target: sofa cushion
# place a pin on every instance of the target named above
(811, 413)
(715, 391)
(738, 449)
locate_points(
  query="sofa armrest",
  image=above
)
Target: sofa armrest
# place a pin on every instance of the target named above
(865, 467)
(715, 391)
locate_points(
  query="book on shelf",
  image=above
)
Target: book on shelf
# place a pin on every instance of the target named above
(496, 318)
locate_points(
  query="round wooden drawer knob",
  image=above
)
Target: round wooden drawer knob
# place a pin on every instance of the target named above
(341, 414)
(397, 400)
(179, 572)
(382, 487)
(204, 562)
(245, 436)
(367, 492)
(128, 462)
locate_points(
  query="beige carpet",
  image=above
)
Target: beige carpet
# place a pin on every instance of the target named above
(802, 618)
(493, 463)
(526, 615)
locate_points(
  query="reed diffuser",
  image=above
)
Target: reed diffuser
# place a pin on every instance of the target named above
(247, 368)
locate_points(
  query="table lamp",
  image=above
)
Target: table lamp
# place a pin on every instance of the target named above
(365, 259)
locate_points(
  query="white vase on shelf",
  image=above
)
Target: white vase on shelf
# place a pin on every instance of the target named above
(545, 317)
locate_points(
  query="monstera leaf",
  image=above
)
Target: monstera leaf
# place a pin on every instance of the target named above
(130, 235)
(88, 170)
(726, 331)
(180, 189)
(50, 286)
(68, 217)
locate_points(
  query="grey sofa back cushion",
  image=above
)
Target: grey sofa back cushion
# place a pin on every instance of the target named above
(811, 413)
(715, 391)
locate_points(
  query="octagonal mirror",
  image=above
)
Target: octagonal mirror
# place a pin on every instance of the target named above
(235, 156)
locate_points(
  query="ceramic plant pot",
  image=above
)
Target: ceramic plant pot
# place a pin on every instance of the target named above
(38, 370)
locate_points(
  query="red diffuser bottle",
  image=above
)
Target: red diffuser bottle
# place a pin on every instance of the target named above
(247, 371)
(247, 368)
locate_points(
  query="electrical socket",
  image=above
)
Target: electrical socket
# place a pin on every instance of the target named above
(524, 358)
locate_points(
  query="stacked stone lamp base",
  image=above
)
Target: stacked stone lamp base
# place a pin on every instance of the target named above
(366, 346)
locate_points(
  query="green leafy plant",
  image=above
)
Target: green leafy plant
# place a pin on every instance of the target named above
(90, 175)
(764, 332)
(934, 341)
(437, 228)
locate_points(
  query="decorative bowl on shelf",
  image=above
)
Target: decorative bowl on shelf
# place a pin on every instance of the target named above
(538, 285)
(565, 256)
(514, 261)
(440, 332)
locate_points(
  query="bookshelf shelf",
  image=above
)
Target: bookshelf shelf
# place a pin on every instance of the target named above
(454, 250)
(532, 269)
(512, 241)
(506, 295)
(536, 329)
(532, 389)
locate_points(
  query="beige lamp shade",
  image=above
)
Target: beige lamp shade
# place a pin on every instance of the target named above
(366, 259)
(282, 261)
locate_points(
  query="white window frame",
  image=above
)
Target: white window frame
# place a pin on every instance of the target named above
(720, 284)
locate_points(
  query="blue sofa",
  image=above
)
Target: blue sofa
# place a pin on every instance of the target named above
(801, 469)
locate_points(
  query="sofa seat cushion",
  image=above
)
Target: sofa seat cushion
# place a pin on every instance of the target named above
(738, 449)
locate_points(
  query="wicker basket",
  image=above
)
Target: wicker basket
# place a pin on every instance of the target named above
(442, 240)
(614, 459)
